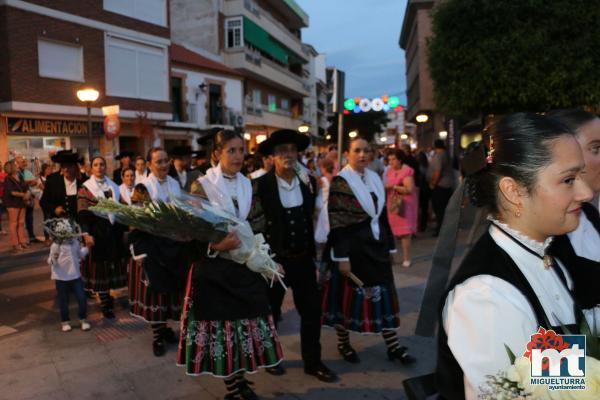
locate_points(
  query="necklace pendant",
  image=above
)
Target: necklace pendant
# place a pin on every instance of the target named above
(547, 261)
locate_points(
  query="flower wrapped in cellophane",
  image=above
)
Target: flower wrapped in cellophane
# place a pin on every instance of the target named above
(62, 229)
(188, 218)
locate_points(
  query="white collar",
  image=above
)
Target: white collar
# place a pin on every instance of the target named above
(282, 183)
(215, 187)
(362, 190)
(538, 247)
(93, 185)
(165, 190)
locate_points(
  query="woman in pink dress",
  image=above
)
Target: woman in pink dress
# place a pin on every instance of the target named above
(401, 201)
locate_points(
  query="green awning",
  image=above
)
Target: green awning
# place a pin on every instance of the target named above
(259, 38)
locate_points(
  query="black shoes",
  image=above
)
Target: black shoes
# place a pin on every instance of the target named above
(348, 353)
(158, 347)
(400, 353)
(321, 372)
(108, 314)
(277, 370)
(245, 391)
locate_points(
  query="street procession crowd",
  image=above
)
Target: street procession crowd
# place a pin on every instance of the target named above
(537, 264)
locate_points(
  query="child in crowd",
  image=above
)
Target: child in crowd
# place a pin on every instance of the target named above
(65, 257)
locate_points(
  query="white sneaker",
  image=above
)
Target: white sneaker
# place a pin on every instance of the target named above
(85, 326)
(406, 264)
(65, 326)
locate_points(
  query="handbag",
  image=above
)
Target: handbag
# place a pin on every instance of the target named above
(397, 203)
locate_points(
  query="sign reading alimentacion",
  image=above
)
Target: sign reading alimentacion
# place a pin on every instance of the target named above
(51, 127)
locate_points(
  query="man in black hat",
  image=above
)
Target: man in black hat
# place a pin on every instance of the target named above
(125, 158)
(283, 203)
(60, 191)
(180, 166)
(198, 159)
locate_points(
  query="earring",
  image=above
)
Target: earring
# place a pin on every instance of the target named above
(518, 212)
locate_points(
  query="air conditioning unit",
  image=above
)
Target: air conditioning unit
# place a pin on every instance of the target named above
(236, 119)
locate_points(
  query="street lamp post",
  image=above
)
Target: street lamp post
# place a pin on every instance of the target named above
(421, 119)
(88, 96)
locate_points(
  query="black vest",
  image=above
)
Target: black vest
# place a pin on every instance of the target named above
(278, 232)
(486, 258)
(584, 272)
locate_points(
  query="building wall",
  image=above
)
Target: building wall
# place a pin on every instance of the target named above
(94, 9)
(233, 91)
(426, 84)
(196, 23)
(5, 91)
(27, 86)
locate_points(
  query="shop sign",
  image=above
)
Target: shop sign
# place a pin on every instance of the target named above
(51, 127)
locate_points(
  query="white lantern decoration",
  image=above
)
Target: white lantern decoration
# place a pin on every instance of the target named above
(365, 105)
(377, 104)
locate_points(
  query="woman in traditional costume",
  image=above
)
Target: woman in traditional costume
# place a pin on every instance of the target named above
(227, 328)
(104, 268)
(508, 285)
(582, 246)
(126, 188)
(159, 265)
(361, 296)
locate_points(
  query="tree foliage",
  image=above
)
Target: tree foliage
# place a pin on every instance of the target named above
(499, 56)
(366, 123)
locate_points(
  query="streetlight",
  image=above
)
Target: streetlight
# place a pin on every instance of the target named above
(88, 96)
(353, 134)
(303, 128)
(404, 136)
(421, 118)
(328, 137)
(443, 134)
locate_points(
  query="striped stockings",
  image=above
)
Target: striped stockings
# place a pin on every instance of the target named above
(389, 336)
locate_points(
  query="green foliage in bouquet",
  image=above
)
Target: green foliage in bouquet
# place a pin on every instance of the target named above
(166, 220)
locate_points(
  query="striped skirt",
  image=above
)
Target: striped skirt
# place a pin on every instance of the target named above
(103, 275)
(224, 348)
(366, 310)
(147, 303)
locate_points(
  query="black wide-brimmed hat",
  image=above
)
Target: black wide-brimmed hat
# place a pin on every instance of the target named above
(199, 154)
(66, 157)
(283, 136)
(180, 151)
(124, 153)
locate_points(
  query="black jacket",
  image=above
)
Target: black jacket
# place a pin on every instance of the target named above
(55, 195)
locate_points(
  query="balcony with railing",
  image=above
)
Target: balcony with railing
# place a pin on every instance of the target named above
(261, 68)
(266, 21)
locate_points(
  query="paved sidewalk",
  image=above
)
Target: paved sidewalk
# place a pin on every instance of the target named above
(114, 360)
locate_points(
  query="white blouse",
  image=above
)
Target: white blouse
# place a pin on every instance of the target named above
(484, 313)
(586, 240)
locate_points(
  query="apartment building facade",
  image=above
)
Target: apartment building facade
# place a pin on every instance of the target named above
(51, 49)
(262, 40)
(416, 29)
(204, 94)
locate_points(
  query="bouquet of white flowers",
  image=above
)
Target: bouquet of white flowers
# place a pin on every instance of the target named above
(515, 382)
(192, 218)
(62, 229)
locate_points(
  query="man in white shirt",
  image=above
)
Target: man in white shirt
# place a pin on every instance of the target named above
(283, 205)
